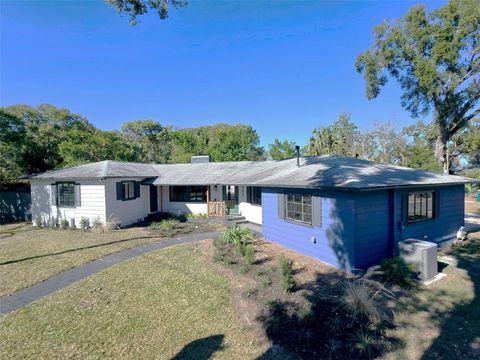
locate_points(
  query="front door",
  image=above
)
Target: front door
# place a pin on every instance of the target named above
(230, 196)
(153, 199)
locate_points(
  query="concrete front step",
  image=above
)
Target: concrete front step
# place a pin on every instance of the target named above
(235, 218)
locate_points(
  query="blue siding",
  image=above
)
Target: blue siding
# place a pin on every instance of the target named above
(451, 216)
(334, 239)
(372, 227)
(360, 229)
(380, 224)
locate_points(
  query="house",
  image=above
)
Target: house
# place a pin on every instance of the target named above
(347, 212)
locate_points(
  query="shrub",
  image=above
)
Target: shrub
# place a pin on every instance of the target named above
(53, 222)
(84, 223)
(64, 224)
(244, 269)
(249, 255)
(363, 299)
(197, 216)
(365, 344)
(266, 282)
(287, 280)
(97, 225)
(397, 271)
(38, 221)
(305, 316)
(236, 234)
(111, 224)
(251, 292)
(167, 225)
(241, 248)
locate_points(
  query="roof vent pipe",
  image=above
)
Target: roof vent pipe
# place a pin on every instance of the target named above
(297, 149)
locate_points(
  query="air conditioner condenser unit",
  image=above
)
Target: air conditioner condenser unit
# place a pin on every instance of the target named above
(421, 253)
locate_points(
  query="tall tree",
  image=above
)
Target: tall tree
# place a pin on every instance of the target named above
(419, 152)
(135, 8)
(279, 150)
(84, 147)
(43, 129)
(151, 135)
(436, 60)
(385, 144)
(336, 139)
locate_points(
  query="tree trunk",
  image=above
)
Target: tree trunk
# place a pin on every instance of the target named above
(441, 149)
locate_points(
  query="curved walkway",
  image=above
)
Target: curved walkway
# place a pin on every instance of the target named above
(21, 298)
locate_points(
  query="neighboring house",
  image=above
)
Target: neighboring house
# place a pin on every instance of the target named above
(347, 212)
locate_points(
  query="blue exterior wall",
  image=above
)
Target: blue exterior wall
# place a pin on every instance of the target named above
(334, 239)
(373, 223)
(361, 228)
(444, 227)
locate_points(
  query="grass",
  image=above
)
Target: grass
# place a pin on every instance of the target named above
(29, 255)
(159, 305)
(445, 313)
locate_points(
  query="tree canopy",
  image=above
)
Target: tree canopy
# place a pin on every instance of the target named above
(436, 60)
(135, 8)
(281, 149)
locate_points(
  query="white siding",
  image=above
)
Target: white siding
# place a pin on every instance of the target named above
(128, 211)
(252, 213)
(92, 194)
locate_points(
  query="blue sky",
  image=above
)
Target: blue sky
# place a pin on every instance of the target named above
(282, 67)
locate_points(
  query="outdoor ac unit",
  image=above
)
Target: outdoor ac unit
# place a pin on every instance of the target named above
(421, 253)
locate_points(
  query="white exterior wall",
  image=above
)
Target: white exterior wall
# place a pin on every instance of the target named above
(252, 213)
(92, 197)
(127, 211)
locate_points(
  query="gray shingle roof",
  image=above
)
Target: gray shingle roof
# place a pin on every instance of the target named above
(314, 172)
(101, 169)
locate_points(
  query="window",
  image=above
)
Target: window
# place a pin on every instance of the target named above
(421, 206)
(298, 208)
(66, 194)
(188, 193)
(254, 195)
(128, 190)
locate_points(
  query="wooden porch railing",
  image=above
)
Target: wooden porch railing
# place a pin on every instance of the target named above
(216, 208)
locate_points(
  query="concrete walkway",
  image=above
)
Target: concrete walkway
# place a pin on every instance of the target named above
(26, 296)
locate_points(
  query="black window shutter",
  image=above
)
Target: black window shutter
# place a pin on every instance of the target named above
(119, 191)
(436, 199)
(281, 206)
(317, 211)
(78, 199)
(249, 194)
(53, 194)
(137, 189)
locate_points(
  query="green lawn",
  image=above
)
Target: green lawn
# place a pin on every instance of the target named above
(159, 305)
(174, 302)
(29, 255)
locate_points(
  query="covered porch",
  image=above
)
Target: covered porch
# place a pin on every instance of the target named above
(216, 200)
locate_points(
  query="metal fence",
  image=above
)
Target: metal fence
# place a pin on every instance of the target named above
(15, 206)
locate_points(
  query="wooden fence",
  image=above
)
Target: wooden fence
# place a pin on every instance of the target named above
(216, 208)
(14, 206)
